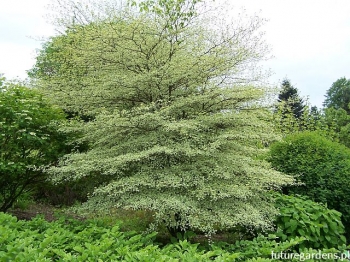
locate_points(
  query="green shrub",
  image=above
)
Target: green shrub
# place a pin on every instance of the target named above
(29, 141)
(321, 165)
(299, 217)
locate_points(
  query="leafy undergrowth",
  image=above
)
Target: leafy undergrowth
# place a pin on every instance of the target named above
(74, 240)
(128, 220)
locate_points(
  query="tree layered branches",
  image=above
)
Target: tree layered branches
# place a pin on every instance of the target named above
(195, 158)
(176, 126)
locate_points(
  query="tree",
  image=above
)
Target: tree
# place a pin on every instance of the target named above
(338, 122)
(338, 96)
(290, 98)
(28, 140)
(127, 60)
(177, 122)
(292, 113)
(337, 111)
(320, 164)
(311, 120)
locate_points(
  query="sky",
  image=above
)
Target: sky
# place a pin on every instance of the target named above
(310, 39)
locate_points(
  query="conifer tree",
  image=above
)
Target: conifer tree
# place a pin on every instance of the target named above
(289, 95)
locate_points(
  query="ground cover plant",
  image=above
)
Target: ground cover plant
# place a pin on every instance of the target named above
(303, 227)
(73, 240)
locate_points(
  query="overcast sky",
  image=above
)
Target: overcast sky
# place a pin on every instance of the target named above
(310, 39)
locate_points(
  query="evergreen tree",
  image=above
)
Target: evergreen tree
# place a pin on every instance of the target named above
(289, 95)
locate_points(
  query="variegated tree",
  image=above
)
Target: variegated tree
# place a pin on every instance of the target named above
(178, 122)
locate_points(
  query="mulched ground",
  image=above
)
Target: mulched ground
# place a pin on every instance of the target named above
(33, 210)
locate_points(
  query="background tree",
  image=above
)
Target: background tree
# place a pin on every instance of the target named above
(292, 114)
(338, 96)
(177, 124)
(291, 99)
(335, 115)
(338, 123)
(28, 140)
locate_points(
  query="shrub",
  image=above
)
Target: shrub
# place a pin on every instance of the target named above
(300, 217)
(323, 166)
(29, 140)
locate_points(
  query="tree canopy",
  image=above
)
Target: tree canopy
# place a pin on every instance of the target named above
(127, 60)
(177, 122)
(338, 95)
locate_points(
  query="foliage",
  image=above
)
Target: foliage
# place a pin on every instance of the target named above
(29, 140)
(290, 112)
(24, 201)
(66, 194)
(126, 60)
(320, 164)
(72, 240)
(290, 96)
(312, 119)
(271, 248)
(177, 125)
(129, 220)
(38, 240)
(338, 121)
(179, 13)
(337, 110)
(261, 246)
(202, 167)
(301, 217)
(294, 114)
(331, 123)
(338, 95)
